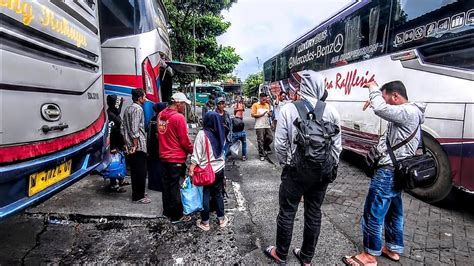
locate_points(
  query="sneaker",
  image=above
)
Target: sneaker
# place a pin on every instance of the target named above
(262, 158)
(223, 223)
(202, 226)
(244, 158)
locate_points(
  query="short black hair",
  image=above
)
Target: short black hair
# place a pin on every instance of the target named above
(137, 93)
(395, 86)
(282, 92)
(211, 97)
(263, 94)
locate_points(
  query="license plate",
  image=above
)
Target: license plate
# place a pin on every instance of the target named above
(42, 180)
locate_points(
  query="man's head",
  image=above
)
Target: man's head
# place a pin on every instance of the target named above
(282, 96)
(179, 100)
(138, 96)
(312, 85)
(394, 93)
(220, 104)
(263, 98)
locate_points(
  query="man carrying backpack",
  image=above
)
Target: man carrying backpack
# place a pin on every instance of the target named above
(307, 144)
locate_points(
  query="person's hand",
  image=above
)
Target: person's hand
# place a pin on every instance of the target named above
(190, 172)
(133, 150)
(370, 84)
(113, 151)
(366, 105)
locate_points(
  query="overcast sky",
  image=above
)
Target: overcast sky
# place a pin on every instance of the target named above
(261, 28)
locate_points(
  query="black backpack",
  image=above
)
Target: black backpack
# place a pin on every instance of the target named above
(313, 159)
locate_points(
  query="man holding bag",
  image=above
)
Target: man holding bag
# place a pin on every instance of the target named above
(209, 148)
(174, 149)
(383, 205)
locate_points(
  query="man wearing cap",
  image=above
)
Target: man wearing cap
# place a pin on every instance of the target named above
(226, 121)
(174, 149)
(133, 131)
(261, 112)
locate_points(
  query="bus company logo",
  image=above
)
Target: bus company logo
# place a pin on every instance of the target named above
(443, 25)
(409, 36)
(470, 17)
(457, 21)
(419, 32)
(338, 43)
(430, 29)
(350, 79)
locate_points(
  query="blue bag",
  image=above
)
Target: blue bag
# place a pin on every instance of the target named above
(117, 167)
(191, 197)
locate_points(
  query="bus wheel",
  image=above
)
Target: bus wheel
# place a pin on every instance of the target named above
(441, 187)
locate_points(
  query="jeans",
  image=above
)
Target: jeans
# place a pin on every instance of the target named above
(215, 193)
(290, 195)
(383, 209)
(264, 139)
(242, 136)
(138, 173)
(172, 206)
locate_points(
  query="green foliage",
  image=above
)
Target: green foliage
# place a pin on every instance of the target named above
(204, 16)
(252, 83)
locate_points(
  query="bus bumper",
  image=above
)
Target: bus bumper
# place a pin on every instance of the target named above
(15, 178)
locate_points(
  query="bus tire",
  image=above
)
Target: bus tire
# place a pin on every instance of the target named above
(441, 188)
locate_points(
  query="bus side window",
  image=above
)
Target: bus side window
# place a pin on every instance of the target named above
(273, 70)
(360, 36)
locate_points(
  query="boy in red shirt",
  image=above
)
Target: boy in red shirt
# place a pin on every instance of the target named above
(174, 149)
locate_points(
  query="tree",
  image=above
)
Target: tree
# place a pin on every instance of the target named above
(252, 83)
(206, 19)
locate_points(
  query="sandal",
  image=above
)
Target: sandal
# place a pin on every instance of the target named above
(202, 226)
(297, 253)
(124, 183)
(268, 253)
(385, 255)
(223, 223)
(143, 201)
(117, 190)
(356, 260)
(183, 219)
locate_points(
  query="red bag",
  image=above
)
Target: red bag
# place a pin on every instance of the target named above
(204, 176)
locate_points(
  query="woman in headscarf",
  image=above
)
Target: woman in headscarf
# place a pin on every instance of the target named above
(155, 168)
(212, 133)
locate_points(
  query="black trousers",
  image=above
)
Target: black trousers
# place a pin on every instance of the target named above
(264, 140)
(137, 162)
(172, 206)
(289, 199)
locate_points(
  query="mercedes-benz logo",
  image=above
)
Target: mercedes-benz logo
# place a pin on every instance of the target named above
(338, 42)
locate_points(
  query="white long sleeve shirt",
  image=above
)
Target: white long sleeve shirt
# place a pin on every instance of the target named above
(199, 156)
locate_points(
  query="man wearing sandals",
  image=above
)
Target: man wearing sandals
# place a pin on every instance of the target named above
(133, 130)
(174, 149)
(293, 186)
(383, 206)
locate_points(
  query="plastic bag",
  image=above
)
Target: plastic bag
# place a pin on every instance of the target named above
(235, 148)
(117, 167)
(191, 197)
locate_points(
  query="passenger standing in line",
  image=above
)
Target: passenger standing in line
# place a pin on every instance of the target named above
(133, 130)
(262, 113)
(239, 108)
(117, 142)
(226, 123)
(174, 146)
(211, 139)
(279, 103)
(209, 106)
(383, 206)
(155, 166)
(296, 183)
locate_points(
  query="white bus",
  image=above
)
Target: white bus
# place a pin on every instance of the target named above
(52, 118)
(428, 45)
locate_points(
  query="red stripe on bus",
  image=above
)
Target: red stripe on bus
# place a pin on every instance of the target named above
(453, 140)
(124, 80)
(26, 151)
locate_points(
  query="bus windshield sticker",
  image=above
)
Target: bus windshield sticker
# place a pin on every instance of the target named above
(457, 21)
(470, 17)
